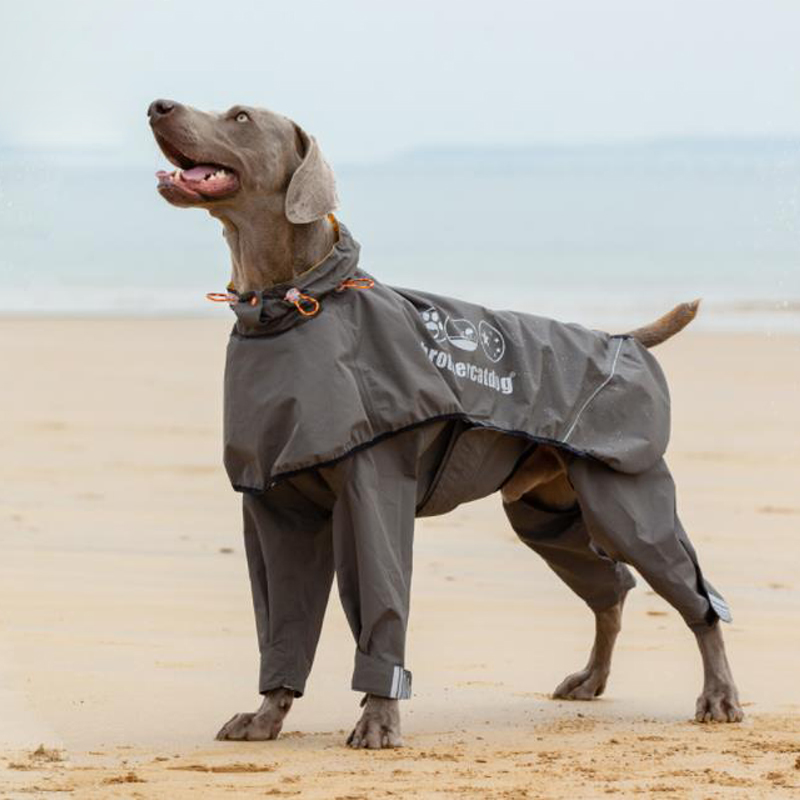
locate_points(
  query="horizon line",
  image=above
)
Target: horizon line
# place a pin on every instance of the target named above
(434, 149)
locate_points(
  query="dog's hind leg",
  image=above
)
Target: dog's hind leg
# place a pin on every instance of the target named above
(633, 519)
(719, 700)
(560, 537)
(590, 682)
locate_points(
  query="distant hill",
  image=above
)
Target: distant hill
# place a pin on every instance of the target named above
(516, 153)
(508, 158)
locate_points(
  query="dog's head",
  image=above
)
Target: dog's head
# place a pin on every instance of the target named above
(245, 156)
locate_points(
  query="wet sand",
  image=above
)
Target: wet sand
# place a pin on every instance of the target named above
(127, 636)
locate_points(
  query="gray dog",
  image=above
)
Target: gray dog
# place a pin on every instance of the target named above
(340, 429)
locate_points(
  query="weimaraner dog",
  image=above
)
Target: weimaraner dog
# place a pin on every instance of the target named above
(267, 182)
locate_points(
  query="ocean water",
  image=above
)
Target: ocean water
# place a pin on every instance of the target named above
(603, 235)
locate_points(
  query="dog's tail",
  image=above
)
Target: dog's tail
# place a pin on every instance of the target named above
(664, 327)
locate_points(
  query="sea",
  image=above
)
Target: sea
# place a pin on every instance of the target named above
(604, 235)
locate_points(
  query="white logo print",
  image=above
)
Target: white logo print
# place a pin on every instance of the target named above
(433, 322)
(461, 333)
(492, 341)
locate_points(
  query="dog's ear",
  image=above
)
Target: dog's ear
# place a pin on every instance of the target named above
(312, 190)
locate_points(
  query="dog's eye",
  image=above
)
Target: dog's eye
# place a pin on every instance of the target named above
(242, 117)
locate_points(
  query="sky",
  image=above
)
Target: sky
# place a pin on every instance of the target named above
(372, 78)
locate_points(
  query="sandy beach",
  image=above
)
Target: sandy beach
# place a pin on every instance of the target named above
(127, 634)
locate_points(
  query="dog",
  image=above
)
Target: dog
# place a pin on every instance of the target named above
(266, 180)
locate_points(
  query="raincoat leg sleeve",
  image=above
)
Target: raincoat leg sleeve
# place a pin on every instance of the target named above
(290, 561)
(373, 531)
(632, 518)
(561, 539)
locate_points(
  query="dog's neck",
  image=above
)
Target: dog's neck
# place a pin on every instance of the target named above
(267, 249)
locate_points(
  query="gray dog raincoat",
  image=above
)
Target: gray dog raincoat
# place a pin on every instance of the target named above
(352, 406)
(301, 391)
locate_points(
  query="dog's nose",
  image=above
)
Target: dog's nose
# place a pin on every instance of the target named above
(160, 108)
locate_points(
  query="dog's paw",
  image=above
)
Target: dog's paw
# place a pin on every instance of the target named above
(719, 704)
(247, 728)
(584, 685)
(379, 725)
(264, 724)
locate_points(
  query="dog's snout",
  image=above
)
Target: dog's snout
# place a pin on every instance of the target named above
(160, 108)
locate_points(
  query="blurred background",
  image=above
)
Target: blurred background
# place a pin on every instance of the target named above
(590, 161)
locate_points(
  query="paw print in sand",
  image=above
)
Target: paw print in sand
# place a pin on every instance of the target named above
(492, 341)
(432, 320)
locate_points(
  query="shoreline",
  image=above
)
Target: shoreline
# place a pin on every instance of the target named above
(754, 316)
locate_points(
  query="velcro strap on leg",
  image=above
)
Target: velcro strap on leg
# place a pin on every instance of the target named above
(718, 603)
(382, 678)
(401, 684)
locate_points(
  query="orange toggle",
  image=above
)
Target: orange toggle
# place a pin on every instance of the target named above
(220, 297)
(297, 299)
(355, 283)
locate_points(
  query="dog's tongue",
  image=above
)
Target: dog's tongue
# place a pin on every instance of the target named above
(199, 172)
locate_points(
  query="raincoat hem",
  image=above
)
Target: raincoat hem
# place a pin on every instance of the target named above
(388, 434)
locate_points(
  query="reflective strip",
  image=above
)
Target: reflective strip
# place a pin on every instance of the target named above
(595, 392)
(401, 684)
(720, 606)
(395, 682)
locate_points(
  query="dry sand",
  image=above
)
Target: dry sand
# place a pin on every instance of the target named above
(126, 631)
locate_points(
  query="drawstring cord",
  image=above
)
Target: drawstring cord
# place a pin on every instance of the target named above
(356, 283)
(305, 304)
(227, 297)
(221, 297)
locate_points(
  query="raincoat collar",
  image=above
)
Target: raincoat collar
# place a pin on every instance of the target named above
(272, 311)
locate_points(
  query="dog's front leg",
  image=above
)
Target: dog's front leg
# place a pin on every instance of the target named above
(290, 561)
(373, 529)
(719, 700)
(379, 725)
(264, 724)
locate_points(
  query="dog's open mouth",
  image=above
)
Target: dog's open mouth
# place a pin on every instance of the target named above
(193, 180)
